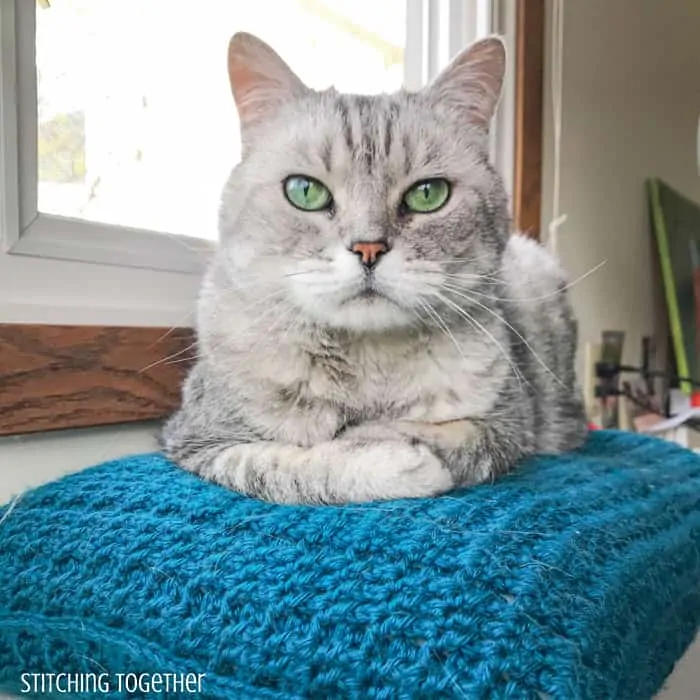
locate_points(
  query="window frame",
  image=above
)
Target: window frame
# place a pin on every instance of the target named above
(528, 114)
(517, 152)
(26, 230)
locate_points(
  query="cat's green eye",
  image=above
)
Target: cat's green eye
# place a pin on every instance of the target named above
(427, 195)
(306, 193)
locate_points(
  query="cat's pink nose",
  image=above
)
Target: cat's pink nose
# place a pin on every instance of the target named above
(369, 252)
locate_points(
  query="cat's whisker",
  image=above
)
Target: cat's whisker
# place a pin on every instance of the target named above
(282, 317)
(461, 275)
(271, 295)
(258, 318)
(298, 274)
(489, 310)
(549, 295)
(293, 325)
(255, 321)
(303, 272)
(472, 276)
(472, 321)
(183, 359)
(328, 286)
(431, 311)
(468, 277)
(423, 322)
(164, 360)
(170, 330)
(478, 258)
(274, 309)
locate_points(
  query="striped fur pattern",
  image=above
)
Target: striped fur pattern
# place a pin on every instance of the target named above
(320, 382)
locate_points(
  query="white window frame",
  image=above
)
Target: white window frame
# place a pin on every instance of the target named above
(24, 231)
(27, 231)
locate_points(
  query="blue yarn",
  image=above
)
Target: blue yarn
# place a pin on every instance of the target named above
(576, 577)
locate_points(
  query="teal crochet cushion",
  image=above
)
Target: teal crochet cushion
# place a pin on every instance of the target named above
(576, 577)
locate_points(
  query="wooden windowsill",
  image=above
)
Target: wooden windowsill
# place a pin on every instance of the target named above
(54, 377)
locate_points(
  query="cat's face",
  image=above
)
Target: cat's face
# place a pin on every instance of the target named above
(362, 212)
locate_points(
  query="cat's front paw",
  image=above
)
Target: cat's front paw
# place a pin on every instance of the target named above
(423, 473)
(393, 469)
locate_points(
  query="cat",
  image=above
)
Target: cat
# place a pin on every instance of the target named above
(368, 328)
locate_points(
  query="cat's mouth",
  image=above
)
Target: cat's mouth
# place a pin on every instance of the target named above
(369, 290)
(367, 293)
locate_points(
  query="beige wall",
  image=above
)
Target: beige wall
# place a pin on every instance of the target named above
(27, 461)
(631, 101)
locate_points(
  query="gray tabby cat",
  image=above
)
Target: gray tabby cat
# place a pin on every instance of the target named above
(368, 328)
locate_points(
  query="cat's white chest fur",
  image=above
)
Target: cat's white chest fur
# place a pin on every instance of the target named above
(309, 387)
(433, 381)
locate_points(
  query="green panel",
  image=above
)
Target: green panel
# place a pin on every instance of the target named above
(676, 224)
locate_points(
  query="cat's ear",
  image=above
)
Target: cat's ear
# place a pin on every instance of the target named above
(473, 80)
(260, 80)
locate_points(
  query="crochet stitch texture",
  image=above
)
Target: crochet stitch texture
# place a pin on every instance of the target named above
(576, 577)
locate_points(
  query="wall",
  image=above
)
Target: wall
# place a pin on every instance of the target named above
(27, 461)
(631, 100)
